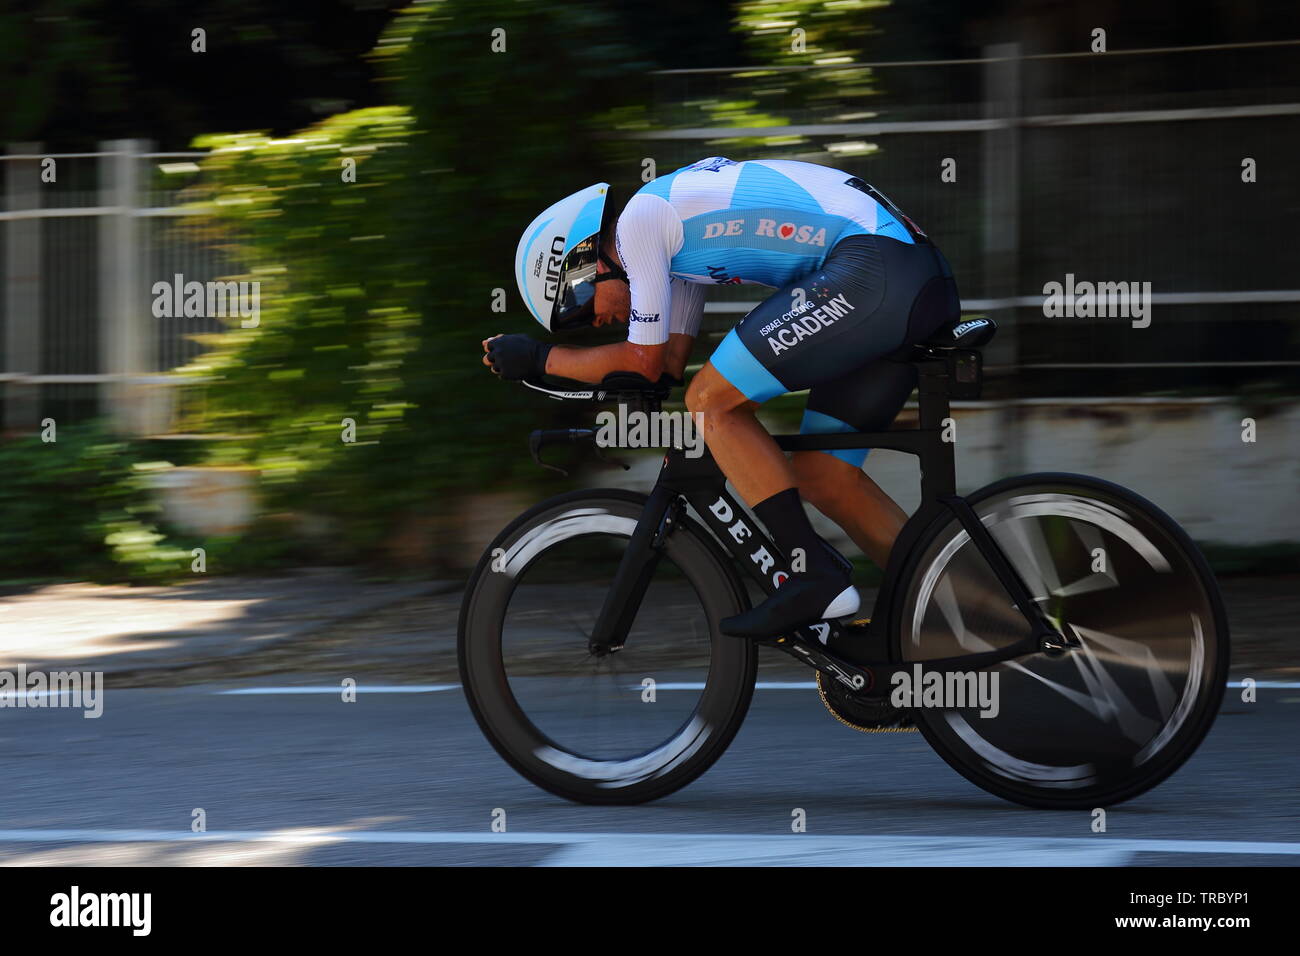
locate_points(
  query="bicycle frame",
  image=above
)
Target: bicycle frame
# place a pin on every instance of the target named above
(701, 483)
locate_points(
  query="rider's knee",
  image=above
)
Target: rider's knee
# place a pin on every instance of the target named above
(705, 395)
(694, 395)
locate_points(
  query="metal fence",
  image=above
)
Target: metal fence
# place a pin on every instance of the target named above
(85, 237)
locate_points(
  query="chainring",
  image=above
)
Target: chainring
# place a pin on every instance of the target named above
(868, 715)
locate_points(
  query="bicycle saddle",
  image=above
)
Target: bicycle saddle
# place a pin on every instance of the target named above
(962, 334)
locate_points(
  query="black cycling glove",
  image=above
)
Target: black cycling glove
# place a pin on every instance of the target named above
(516, 357)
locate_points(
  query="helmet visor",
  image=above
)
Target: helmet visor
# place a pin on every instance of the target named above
(574, 301)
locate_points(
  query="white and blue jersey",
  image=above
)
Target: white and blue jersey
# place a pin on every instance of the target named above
(766, 222)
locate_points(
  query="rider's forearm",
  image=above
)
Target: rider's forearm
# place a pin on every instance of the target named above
(593, 364)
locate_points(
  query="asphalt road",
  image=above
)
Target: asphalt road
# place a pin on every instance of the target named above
(406, 778)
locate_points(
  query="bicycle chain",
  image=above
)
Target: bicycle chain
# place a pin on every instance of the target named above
(883, 719)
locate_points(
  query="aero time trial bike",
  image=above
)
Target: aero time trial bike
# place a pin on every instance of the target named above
(590, 655)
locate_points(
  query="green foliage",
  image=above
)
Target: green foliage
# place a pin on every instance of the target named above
(85, 495)
(826, 37)
(336, 325)
(88, 494)
(800, 54)
(806, 32)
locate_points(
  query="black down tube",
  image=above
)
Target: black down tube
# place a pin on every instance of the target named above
(623, 599)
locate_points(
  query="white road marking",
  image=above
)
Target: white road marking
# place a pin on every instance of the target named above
(360, 689)
(666, 685)
(702, 849)
(760, 685)
(434, 688)
(794, 850)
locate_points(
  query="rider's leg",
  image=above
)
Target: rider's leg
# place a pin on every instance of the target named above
(867, 399)
(758, 469)
(845, 494)
(742, 447)
(820, 585)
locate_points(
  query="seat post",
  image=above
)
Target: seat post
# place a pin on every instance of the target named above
(932, 393)
(938, 462)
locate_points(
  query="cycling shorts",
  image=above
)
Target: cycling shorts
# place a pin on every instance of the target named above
(833, 332)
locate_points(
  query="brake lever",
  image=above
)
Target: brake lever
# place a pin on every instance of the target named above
(540, 438)
(537, 440)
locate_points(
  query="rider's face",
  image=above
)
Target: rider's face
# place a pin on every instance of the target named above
(613, 299)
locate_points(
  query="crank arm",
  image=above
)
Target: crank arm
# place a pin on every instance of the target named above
(861, 675)
(854, 678)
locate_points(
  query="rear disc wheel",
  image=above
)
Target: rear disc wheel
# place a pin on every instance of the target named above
(1104, 722)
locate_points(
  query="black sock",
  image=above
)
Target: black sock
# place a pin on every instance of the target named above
(783, 515)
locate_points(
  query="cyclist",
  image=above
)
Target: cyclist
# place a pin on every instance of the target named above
(855, 280)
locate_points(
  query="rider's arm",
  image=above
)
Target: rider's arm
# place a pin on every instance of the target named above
(683, 324)
(594, 363)
(648, 233)
(678, 354)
